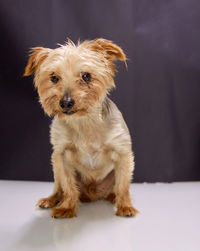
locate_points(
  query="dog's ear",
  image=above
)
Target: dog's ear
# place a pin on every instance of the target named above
(110, 50)
(36, 57)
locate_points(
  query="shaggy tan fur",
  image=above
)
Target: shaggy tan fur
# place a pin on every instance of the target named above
(92, 155)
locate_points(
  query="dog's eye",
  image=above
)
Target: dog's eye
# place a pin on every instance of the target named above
(54, 79)
(86, 77)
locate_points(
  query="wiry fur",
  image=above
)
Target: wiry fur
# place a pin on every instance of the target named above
(92, 156)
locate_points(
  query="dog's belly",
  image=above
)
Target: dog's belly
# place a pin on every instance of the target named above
(96, 190)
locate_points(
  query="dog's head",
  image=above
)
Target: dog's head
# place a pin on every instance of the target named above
(74, 79)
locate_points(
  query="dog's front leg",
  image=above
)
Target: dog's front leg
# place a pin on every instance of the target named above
(123, 173)
(57, 194)
(66, 176)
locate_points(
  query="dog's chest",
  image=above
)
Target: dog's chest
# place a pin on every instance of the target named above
(90, 144)
(91, 154)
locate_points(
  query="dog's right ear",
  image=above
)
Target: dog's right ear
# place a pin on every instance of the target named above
(36, 57)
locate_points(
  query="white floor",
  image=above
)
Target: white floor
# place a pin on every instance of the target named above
(169, 220)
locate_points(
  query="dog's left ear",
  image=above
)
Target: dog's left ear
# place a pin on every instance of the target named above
(37, 56)
(110, 50)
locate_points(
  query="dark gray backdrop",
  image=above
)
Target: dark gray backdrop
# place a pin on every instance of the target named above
(159, 95)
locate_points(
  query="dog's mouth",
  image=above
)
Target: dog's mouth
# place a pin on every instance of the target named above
(69, 112)
(78, 112)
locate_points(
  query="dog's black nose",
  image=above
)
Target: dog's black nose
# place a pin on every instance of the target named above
(66, 103)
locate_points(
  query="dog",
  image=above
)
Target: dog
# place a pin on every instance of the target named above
(92, 150)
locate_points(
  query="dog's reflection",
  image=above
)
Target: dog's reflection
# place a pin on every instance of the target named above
(95, 227)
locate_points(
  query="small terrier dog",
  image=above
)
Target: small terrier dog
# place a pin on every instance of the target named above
(92, 154)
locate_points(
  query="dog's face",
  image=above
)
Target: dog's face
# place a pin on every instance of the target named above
(72, 80)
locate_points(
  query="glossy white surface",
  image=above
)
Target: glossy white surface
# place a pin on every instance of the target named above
(169, 220)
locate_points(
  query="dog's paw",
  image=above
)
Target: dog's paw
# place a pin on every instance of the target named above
(47, 202)
(126, 211)
(63, 212)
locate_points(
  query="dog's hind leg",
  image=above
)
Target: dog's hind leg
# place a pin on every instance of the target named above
(111, 197)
